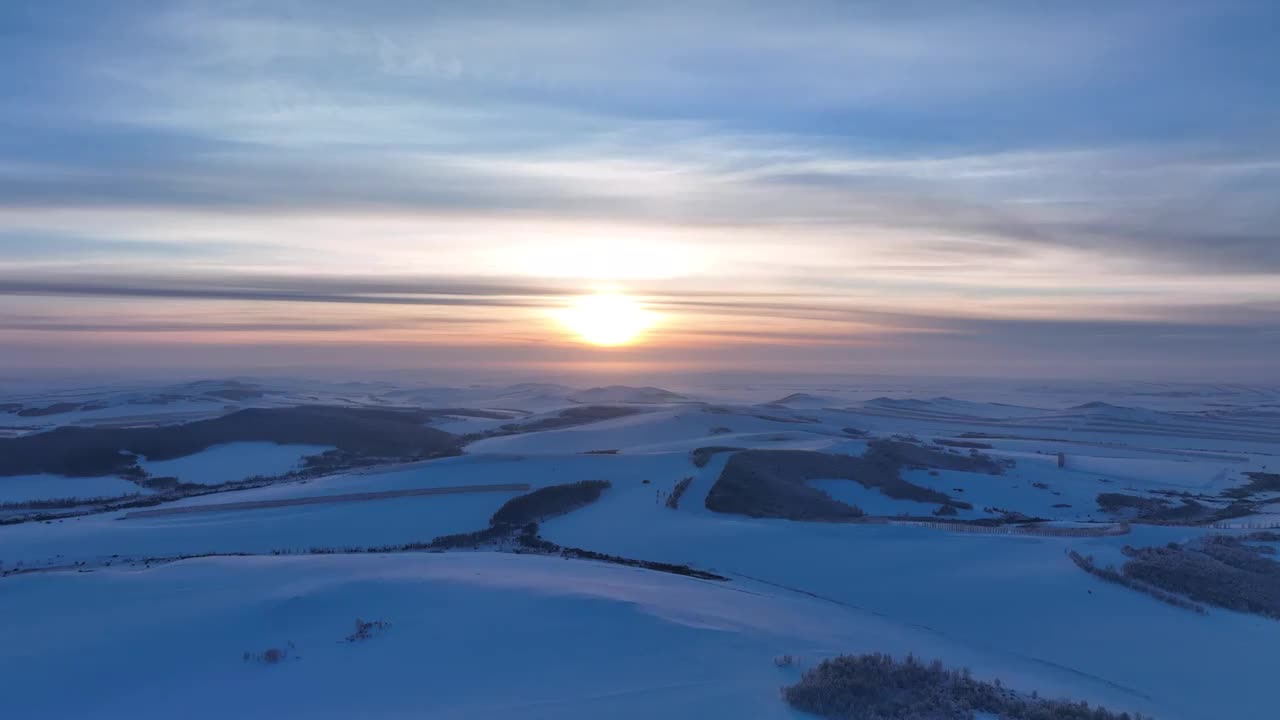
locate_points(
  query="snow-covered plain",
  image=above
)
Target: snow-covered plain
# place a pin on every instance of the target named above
(473, 635)
(487, 634)
(233, 462)
(46, 486)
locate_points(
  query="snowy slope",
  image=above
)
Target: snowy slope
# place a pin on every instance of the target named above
(663, 430)
(394, 521)
(1017, 595)
(23, 488)
(481, 635)
(232, 462)
(473, 635)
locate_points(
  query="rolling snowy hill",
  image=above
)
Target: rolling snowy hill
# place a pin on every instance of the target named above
(293, 558)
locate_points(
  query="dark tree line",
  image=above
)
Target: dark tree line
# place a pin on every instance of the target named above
(93, 451)
(673, 500)
(1218, 570)
(548, 502)
(878, 687)
(775, 483)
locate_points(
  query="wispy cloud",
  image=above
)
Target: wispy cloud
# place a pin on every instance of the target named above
(991, 161)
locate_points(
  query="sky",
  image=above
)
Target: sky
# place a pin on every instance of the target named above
(1074, 189)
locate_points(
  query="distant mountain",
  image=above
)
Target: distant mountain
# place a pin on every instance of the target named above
(1098, 405)
(626, 394)
(806, 400)
(1101, 411)
(952, 408)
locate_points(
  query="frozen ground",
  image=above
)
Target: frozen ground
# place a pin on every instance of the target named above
(492, 635)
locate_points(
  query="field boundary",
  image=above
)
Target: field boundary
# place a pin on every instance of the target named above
(326, 499)
(1041, 531)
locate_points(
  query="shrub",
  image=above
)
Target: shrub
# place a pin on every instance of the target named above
(270, 656)
(774, 483)
(365, 630)
(1258, 482)
(581, 554)
(524, 513)
(1120, 504)
(548, 502)
(1218, 570)
(1110, 574)
(92, 451)
(878, 687)
(963, 444)
(1236, 509)
(471, 539)
(673, 500)
(701, 456)
(530, 539)
(910, 454)
(167, 484)
(570, 417)
(61, 503)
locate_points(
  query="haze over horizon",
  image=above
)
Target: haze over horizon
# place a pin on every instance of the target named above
(985, 189)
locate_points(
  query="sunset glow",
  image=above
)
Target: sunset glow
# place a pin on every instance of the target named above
(607, 319)
(860, 187)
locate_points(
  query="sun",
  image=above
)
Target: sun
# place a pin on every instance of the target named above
(607, 319)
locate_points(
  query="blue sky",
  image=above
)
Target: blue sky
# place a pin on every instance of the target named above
(991, 188)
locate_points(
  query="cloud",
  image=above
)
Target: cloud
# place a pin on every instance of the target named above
(408, 109)
(311, 290)
(179, 327)
(951, 169)
(667, 298)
